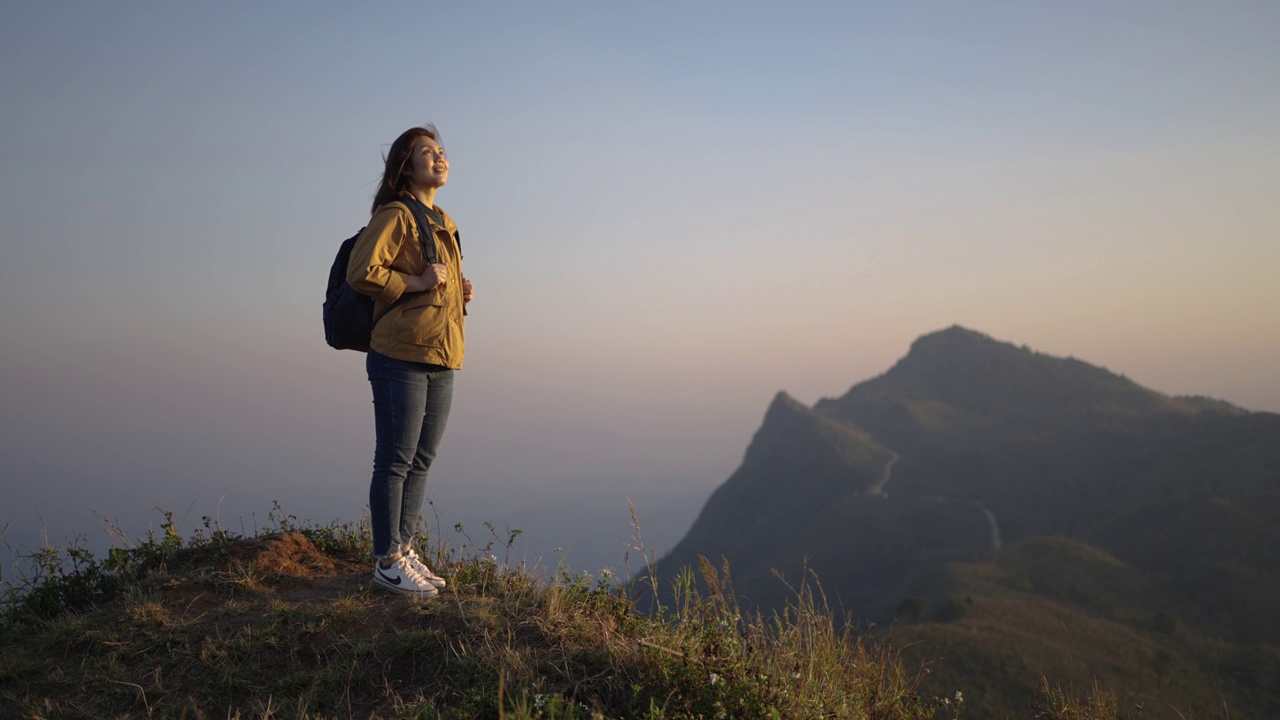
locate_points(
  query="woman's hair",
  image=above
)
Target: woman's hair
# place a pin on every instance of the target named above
(394, 180)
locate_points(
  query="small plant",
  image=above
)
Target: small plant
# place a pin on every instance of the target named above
(1058, 704)
(59, 580)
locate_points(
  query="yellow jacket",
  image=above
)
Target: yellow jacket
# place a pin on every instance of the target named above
(429, 327)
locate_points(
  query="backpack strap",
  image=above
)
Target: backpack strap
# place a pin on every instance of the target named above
(425, 236)
(423, 215)
(403, 297)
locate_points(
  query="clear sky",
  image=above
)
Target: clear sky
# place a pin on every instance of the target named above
(670, 211)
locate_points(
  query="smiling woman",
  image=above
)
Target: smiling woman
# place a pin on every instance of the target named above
(409, 248)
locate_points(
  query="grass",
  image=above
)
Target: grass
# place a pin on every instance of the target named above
(286, 624)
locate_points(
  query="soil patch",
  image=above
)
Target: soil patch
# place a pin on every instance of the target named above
(287, 554)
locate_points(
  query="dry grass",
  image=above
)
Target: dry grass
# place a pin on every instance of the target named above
(287, 625)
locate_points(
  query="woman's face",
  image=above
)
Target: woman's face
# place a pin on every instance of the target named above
(430, 168)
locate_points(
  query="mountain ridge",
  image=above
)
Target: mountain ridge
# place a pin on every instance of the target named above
(993, 444)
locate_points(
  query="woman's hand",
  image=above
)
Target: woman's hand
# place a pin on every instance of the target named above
(436, 275)
(468, 290)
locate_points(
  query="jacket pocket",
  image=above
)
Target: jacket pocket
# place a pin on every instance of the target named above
(434, 298)
(424, 320)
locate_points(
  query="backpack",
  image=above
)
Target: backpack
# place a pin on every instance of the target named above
(348, 314)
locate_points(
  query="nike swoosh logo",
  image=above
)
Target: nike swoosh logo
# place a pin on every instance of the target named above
(388, 578)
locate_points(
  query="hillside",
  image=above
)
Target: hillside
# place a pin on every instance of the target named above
(288, 625)
(741, 519)
(1019, 482)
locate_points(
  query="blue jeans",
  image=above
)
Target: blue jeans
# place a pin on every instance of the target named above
(410, 408)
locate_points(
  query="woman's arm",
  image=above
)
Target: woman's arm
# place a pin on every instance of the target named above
(370, 270)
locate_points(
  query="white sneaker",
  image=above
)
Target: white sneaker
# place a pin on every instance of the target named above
(422, 569)
(401, 577)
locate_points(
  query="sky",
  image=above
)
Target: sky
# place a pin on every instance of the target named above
(670, 211)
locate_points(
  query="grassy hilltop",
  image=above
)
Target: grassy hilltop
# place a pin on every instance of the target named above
(288, 625)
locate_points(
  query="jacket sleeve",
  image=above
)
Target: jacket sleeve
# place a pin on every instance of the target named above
(369, 270)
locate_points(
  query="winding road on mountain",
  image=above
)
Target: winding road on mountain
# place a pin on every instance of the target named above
(886, 474)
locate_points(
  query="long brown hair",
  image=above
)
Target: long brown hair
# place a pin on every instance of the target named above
(395, 182)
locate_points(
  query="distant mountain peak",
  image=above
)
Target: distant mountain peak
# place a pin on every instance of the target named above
(955, 332)
(783, 404)
(959, 373)
(953, 340)
(785, 422)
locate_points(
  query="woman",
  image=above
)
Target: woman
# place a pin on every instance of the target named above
(416, 346)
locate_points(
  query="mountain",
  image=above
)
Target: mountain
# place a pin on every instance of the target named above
(799, 461)
(977, 488)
